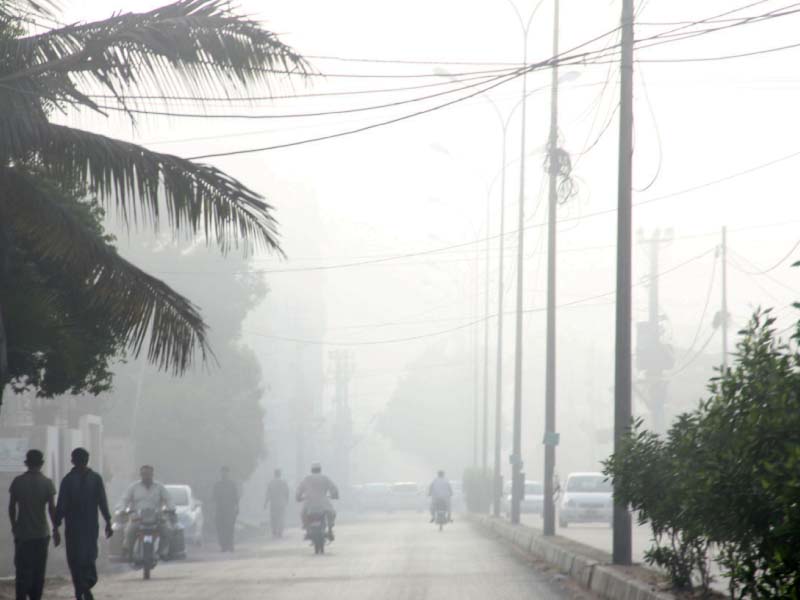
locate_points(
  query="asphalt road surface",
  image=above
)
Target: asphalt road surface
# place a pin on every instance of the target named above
(398, 557)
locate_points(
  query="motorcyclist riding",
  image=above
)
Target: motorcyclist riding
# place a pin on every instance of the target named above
(143, 494)
(314, 492)
(440, 492)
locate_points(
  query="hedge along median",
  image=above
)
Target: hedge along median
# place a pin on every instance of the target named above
(588, 566)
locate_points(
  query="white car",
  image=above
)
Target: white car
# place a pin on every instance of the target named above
(532, 502)
(586, 498)
(407, 495)
(372, 496)
(189, 511)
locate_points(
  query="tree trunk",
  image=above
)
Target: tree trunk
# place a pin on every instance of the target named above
(5, 244)
(3, 353)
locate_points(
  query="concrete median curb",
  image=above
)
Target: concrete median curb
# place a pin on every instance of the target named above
(591, 569)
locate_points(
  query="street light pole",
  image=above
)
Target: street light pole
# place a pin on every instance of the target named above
(550, 437)
(517, 486)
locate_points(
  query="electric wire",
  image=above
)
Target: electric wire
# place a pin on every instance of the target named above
(474, 322)
(780, 262)
(706, 304)
(657, 132)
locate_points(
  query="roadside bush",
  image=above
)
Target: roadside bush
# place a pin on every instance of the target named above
(654, 477)
(477, 486)
(727, 476)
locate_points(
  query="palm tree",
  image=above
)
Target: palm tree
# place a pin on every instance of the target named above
(189, 46)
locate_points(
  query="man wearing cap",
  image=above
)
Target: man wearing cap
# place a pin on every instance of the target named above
(314, 492)
(29, 495)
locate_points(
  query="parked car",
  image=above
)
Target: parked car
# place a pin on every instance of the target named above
(372, 496)
(587, 498)
(407, 495)
(189, 512)
(532, 502)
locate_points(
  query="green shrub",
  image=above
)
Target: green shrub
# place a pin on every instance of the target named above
(727, 476)
(477, 486)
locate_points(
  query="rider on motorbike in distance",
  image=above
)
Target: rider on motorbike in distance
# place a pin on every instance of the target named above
(313, 491)
(440, 492)
(143, 494)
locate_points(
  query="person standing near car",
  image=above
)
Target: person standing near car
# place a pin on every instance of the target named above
(277, 500)
(81, 496)
(226, 503)
(29, 495)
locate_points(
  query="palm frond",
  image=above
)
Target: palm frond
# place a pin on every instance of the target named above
(143, 308)
(194, 45)
(199, 198)
(11, 10)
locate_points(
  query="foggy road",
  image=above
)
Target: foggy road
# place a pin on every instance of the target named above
(394, 557)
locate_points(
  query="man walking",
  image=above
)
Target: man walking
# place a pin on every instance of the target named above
(81, 496)
(277, 500)
(226, 501)
(29, 494)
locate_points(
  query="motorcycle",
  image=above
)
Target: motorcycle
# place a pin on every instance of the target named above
(149, 546)
(440, 514)
(317, 531)
(316, 525)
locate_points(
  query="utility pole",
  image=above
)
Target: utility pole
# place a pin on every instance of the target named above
(498, 407)
(517, 488)
(485, 447)
(724, 323)
(652, 355)
(343, 425)
(300, 414)
(550, 435)
(622, 551)
(475, 361)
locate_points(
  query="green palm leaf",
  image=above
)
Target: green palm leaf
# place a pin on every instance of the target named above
(142, 308)
(199, 198)
(194, 45)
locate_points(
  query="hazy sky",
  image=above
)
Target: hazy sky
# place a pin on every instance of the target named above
(421, 184)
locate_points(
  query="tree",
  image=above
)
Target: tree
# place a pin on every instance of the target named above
(195, 46)
(189, 427)
(56, 345)
(431, 416)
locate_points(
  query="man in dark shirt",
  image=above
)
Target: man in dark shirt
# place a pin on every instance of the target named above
(80, 497)
(226, 501)
(29, 494)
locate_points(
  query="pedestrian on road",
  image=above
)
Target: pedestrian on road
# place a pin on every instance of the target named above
(226, 501)
(80, 497)
(29, 495)
(277, 500)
